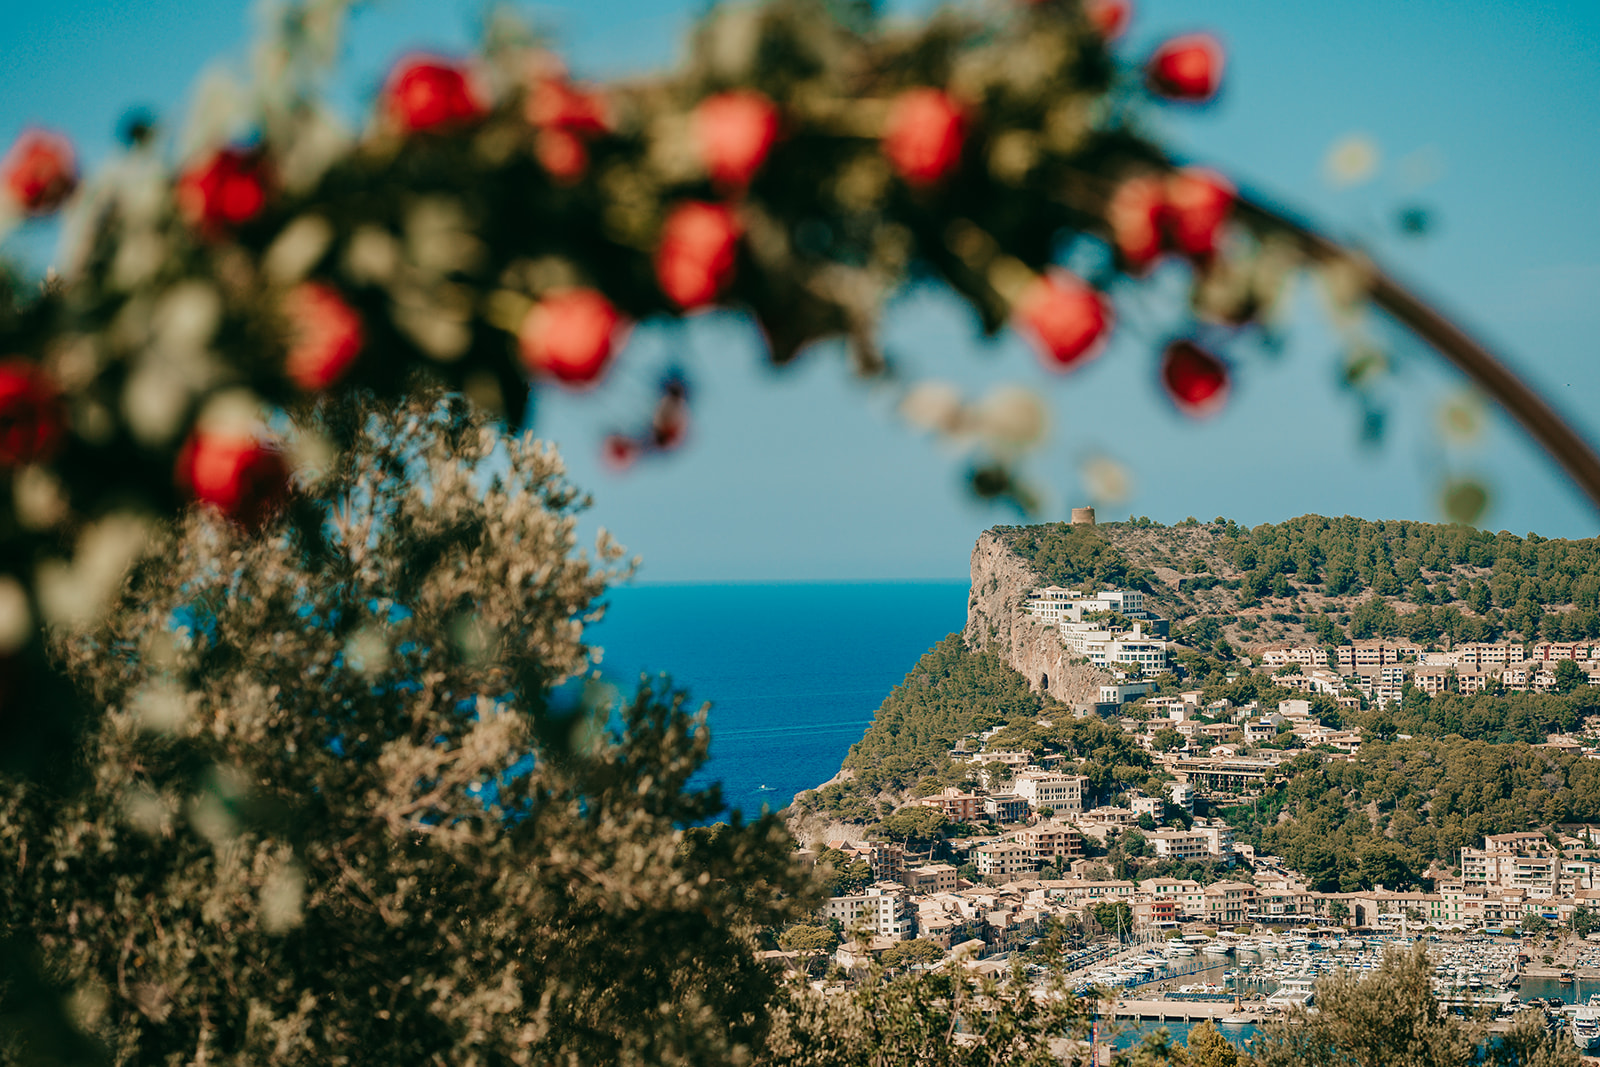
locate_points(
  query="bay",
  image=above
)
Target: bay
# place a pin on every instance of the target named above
(793, 671)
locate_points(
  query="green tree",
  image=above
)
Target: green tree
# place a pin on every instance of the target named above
(802, 938)
(906, 954)
(1114, 916)
(914, 822)
(1569, 676)
(1208, 1048)
(1166, 739)
(1534, 923)
(341, 809)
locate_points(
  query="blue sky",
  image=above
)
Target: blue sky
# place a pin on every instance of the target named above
(1484, 112)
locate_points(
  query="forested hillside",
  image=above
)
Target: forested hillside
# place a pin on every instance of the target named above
(1385, 815)
(952, 691)
(1334, 579)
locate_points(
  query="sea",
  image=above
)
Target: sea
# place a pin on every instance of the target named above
(793, 672)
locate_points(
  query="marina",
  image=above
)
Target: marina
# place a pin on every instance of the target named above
(1239, 983)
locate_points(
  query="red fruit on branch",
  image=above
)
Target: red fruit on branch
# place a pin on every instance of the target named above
(327, 336)
(427, 93)
(32, 421)
(1108, 17)
(566, 117)
(1066, 320)
(619, 451)
(235, 472)
(39, 171)
(1196, 380)
(1198, 203)
(698, 252)
(1185, 212)
(562, 154)
(1187, 68)
(223, 190)
(923, 135)
(734, 132)
(555, 103)
(1135, 215)
(570, 335)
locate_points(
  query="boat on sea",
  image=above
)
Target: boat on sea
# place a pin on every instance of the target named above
(1217, 948)
(1586, 1031)
(1567, 978)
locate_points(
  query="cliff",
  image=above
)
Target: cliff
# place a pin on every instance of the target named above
(1000, 582)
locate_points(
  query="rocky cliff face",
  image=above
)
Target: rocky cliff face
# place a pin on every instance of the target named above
(1000, 582)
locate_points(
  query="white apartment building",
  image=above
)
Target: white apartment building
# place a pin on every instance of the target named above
(1007, 859)
(1054, 604)
(1522, 861)
(1178, 844)
(881, 909)
(1106, 648)
(1062, 793)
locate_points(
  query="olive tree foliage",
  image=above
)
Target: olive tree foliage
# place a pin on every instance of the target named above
(949, 1017)
(342, 809)
(1391, 1016)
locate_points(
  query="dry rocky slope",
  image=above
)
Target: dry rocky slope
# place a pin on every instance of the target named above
(996, 619)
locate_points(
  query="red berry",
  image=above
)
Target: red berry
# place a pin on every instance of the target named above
(1198, 203)
(562, 154)
(570, 335)
(1135, 215)
(619, 451)
(426, 93)
(31, 418)
(1064, 318)
(1186, 68)
(923, 135)
(1108, 17)
(327, 336)
(1196, 380)
(697, 254)
(224, 190)
(735, 131)
(236, 473)
(553, 103)
(39, 171)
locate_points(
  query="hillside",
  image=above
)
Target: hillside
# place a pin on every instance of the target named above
(1322, 580)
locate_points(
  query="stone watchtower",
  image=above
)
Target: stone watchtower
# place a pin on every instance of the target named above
(1083, 516)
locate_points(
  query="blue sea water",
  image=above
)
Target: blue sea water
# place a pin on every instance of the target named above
(793, 672)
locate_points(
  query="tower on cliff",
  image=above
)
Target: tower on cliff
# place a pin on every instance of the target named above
(1083, 516)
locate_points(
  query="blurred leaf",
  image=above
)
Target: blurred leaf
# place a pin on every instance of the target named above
(1465, 500)
(1415, 221)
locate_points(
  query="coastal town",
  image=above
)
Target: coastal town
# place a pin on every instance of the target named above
(1027, 840)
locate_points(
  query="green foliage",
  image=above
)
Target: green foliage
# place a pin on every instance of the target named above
(1500, 717)
(906, 954)
(1569, 676)
(952, 691)
(909, 1020)
(1384, 815)
(1068, 555)
(340, 814)
(802, 938)
(1208, 1048)
(1114, 916)
(841, 875)
(915, 822)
